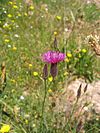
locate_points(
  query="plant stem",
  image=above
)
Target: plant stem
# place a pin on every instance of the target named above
(43, 105)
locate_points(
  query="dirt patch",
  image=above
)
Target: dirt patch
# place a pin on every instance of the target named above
(88, 101)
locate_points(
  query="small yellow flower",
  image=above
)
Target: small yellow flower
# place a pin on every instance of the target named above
(5, 35)
(14, 48)
(50, 79)
(15, 7)
(50, 91)
(84, 50)
(26, 121)
(31, 7)
(7, 40)
(19, 14)
(10, 2)
(35, 73)
(5, 128)
(13, 90)
(13, 80)
(55, 33)
(67, 60)
(0, 22)
(30, 65)
(69, 55)
(9, 16)
(65, 73)
(12, 21)
(58, 17)
(25, 14)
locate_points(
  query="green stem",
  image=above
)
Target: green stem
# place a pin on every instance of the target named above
(43, 105)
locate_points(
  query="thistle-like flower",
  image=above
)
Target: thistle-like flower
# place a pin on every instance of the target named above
(53, 57)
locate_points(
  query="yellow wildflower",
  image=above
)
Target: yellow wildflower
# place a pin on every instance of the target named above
(10, 2)
(26, 121)
(55, 33)
(13, 80)
(9, 15)
(12, 21)
(30, 65)
(65, 73)
(0, 22)
(6, 26)
(84, 50)
(58, 17)
(67, 60)
(13, 90)
(7, 40)
(50, 79)
(14, 48)
(35, 73)
(19, 14)
(31, 7)
(50, 91)
(25, 14)
(5, 128)
(69, 55)
(15, 7)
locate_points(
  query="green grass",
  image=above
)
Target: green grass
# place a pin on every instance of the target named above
(24, 36)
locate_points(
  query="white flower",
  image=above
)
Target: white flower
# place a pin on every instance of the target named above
(17, 26)
(9, 46)
(66, 30)
(5, 12)
(22, 97)
(16, 35)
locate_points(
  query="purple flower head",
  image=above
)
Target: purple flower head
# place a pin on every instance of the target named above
(53, 56)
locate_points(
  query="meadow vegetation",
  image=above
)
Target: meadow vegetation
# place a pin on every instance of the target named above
(27, 31)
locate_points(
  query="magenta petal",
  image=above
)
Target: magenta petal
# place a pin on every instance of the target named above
(53, 57)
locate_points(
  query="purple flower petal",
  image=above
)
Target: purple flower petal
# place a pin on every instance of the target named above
(53, 57)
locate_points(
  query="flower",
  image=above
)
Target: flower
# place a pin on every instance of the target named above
(67, 60)
(12, 21)
(9, 15)
(35, 73)
(58, 17)
(53, 57)
(16, 35)
(19, 15)
(65, 73)
(14, 48)
(10, 2)
(5, 128)
(25, 14)
(34, 125)
(49, 90)
(15, 7)
(50, 79)
(84, 50)
(30, 65)
(26, 121)
(7, 40)
(31, 7)
(55, 33)
(21, 97)
(69, 55)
